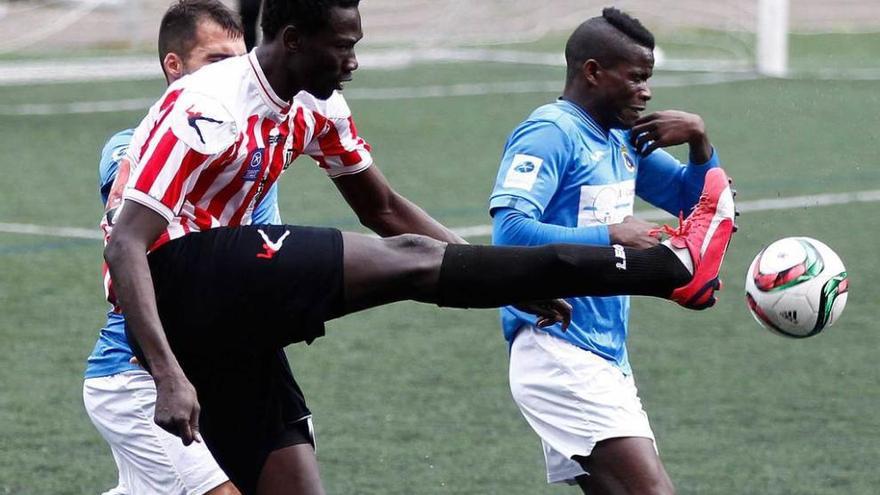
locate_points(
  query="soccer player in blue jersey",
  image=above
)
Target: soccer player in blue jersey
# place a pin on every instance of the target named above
(118, 394)
(570, 174)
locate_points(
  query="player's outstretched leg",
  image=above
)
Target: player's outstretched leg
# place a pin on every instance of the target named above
(685, 268)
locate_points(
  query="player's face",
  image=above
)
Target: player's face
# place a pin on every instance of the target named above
(624, 87)
(328, 58)
(213, 44)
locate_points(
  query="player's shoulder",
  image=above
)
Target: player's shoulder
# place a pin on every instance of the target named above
(114, 148)
(550, 118)
(334, 108)
(204, 114)
(558, 114)
(547, 124)
(113, 151)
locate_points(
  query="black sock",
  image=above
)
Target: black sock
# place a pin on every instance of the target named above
(491, 276)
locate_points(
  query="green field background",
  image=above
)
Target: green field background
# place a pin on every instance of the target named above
(413, 399)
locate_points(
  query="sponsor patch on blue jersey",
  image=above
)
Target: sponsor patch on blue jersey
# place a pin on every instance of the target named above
(523, 172)
(253, 170)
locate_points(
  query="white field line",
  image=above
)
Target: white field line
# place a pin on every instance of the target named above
(393, 93)
(69, 232)
(789, 203)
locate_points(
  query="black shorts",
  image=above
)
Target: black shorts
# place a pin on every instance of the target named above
(230, 299)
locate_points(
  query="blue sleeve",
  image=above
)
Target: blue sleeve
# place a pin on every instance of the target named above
(112, 152)
(668, 184)
(534, 159)
(267, 211)
(512, 227)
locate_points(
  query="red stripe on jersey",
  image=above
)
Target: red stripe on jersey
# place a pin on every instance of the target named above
(278, 156)
(191, 161)
(161, 240)
(299, 130)
(154, 165)
(170, 99)
(221, 199)
(265, 127)
(166, 107)
(202, 220)
(331, 145)
(209, 175)
(352, 129)
(321, 124)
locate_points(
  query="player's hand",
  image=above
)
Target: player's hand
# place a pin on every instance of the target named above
(634, 233)
(667, 128)
(177, 408)
(548, 312)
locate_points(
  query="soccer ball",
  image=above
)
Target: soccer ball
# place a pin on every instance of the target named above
(796, 287)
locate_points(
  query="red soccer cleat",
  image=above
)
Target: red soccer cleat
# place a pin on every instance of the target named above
(705, 233)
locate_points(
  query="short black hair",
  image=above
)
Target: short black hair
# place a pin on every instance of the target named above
(605, 39)
(177, 31)
(309, 16)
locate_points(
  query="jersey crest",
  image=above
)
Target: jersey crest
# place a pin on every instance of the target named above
(627, 160)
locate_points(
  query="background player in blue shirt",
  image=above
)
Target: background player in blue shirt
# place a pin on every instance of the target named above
(570, 174)
(119, 395)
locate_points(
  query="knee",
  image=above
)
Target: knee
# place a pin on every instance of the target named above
(415, 243)
(657, 485)
(419, 257)
(417, 250)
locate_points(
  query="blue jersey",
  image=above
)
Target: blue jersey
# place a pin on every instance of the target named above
(565, 179)
(112, 353)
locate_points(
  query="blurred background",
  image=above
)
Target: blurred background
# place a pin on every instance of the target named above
(413, 399)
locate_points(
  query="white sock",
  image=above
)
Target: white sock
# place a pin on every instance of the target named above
(683, 254)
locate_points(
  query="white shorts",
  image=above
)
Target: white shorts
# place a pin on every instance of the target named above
(150, 460)
(573, 399)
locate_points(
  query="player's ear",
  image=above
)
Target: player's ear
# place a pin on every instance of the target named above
(291, 38)
(590, 72)
(173, 66)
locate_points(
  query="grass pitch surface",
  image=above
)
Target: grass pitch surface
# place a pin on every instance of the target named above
(413, 399)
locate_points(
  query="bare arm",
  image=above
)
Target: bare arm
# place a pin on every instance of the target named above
(381, 209)
(136, 228)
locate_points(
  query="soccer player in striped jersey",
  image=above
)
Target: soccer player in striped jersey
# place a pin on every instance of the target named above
(210, 299)
(590, 155)
(119, 395)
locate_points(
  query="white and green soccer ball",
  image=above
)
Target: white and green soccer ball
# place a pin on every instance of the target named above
(796, 287)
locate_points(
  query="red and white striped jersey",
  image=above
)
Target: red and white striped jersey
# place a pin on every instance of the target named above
(219, 138)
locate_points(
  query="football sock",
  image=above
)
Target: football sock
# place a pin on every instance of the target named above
(491, 276)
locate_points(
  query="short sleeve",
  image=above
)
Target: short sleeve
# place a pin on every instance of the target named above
(337, 147)
(194, 133)
(534, 159)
